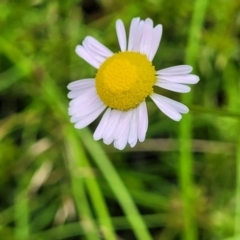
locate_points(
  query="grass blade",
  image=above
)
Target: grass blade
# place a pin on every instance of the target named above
(81, 164)
(185, 170)
(117, 186)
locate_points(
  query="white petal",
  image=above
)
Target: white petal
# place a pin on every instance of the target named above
(123, 123)
(76, 93)
(174, 104)
(121, 34)
(142, 121)
(133, 144)
(81, 83)
(138, 37)
(99, 58)
(87, 109)
(169, 107)
(176, 70)
(97, 47)
(102, 125)
(109, 140)
(157, 35)
(147, 34)
(89, 118)
(187, 79)
(132, 33)
(84, 98)
(175, 87)
(78, 111)
(84, 54)
(112, 124)
(122, 141)
(133, 133)
(79, 106)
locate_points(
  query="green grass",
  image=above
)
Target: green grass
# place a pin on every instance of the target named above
(56, 182)
(186, 179)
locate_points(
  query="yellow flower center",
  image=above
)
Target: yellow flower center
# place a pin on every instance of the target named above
(125, 79)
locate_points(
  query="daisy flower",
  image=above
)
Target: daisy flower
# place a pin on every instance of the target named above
(122, 83)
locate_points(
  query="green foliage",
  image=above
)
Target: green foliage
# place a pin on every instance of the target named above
(57, 183)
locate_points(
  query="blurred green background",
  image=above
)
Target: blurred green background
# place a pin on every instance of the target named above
(183, 182)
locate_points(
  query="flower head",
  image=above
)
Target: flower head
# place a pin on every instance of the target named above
(122, 83)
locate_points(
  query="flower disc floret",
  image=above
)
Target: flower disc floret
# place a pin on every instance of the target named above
(125, 79)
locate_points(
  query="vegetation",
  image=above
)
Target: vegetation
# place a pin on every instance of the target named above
(56, 182)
